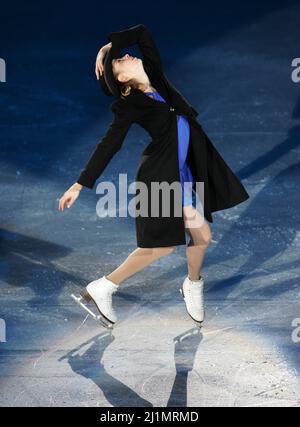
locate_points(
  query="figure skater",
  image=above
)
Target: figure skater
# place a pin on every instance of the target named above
(145, 96)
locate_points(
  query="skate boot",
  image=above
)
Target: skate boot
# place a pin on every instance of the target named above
(100, 293)
(192, 293)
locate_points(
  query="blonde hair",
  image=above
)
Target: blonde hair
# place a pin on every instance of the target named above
(126, 87)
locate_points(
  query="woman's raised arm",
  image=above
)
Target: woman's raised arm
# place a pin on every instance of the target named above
(141, 35)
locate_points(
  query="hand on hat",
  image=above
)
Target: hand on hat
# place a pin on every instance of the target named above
(99, 59)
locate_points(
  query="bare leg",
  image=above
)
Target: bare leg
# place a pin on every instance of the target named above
(200, 237)
(136, 261)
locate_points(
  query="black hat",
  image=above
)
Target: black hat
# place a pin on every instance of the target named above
(107, 80)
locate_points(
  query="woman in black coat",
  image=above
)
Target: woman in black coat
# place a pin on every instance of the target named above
(157, 235)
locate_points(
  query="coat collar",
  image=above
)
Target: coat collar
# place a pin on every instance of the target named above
(172, 96)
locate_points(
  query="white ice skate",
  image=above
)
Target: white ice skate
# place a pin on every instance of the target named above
(192, 293)
(100, 293)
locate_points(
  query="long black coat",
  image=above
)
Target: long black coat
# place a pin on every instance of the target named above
(159, 160)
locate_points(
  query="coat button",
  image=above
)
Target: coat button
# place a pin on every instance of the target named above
(172, 109)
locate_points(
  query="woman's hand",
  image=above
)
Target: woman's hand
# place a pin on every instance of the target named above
(69, 197)
(99, 59)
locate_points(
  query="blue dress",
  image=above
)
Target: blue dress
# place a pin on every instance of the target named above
(183, 145)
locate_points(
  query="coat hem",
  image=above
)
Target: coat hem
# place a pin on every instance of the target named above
(160, 245)
(231, 204)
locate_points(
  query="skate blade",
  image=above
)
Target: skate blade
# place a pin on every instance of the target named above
(98, 318)
(197, 322)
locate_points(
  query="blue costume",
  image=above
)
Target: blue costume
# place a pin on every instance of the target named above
(183, 145)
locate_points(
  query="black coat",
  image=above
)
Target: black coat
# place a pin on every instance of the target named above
(159, 160)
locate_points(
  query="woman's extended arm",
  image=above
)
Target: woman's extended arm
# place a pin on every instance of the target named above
(141, 35)
(110, 143)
